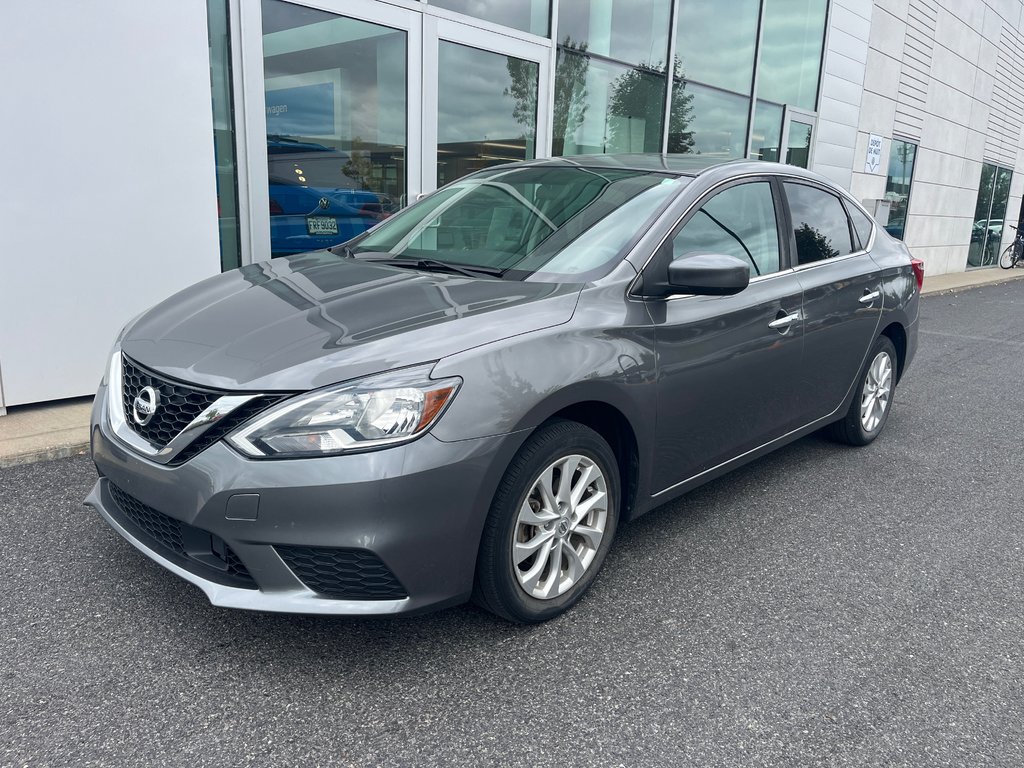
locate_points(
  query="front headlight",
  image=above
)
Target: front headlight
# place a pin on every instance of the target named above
(355, 416)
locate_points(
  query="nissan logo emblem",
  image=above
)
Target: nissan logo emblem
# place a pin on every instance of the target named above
(145, 406)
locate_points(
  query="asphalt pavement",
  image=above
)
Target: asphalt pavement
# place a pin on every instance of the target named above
(822, 606)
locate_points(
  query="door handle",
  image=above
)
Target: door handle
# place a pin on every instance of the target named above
(869, 298)
(784, 322)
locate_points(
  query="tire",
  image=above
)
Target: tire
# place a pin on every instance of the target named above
(869, 411)
(540, 551)
(1006, 259)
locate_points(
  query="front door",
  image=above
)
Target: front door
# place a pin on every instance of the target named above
(362, 106)
(728, 365)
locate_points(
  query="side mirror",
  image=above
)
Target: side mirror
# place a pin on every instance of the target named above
(708, 274)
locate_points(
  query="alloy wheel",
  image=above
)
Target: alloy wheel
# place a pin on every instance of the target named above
(876, 393)
(560, 526)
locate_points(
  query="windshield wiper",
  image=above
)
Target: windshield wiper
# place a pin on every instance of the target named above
(438, 266)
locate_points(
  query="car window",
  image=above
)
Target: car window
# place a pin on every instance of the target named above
(820, 225)
(740, 222)
(861, 224)
(532, 222)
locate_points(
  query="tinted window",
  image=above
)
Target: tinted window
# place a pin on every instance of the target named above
(738, 222)
(819, 223)
(861, 225)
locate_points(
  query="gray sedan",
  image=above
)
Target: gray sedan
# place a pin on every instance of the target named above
(468, 400)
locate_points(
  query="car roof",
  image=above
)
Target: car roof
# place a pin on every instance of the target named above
(677, 164)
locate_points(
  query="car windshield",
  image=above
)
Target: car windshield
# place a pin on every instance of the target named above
(535, 222)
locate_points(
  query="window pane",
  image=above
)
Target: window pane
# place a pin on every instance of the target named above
(738, 222)
(897, 185)
(604, 108)
(862, 225)
(715, 42)
(798, 148)
(486, 110)
(989, 212)
(224, 134)
(527, 15)
(556, 221)
(708, 122)
(819, 223)
(791, 43)
(336, 125)
(766, 136)
(632, 31)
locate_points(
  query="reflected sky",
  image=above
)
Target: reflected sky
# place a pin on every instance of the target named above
(719, 123)
(475, 100)
(633, 31)
(715, 42)
(527, 15)
(791, 51)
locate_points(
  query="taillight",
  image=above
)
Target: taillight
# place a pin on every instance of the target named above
(275, 208)
(918, 267)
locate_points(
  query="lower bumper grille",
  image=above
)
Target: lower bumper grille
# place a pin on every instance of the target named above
(192, 548)
(345, 574)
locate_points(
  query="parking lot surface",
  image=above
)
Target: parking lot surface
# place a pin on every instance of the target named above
(821, 606)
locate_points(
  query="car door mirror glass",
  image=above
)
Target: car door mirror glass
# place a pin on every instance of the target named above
(708, 274)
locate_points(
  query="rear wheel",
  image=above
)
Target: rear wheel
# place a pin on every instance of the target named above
(870, 407)
(550, 526)
(1008, 257)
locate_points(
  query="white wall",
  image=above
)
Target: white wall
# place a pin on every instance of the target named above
(842, 85)
(109, 196)
(944, 74)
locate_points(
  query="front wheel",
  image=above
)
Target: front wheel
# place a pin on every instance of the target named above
(1007, 259)
(550, 526)
(870, 407)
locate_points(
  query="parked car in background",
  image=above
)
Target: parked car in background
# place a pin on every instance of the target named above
(314, 203)
(470, 399)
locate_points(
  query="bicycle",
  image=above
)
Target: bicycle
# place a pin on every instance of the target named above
(1013, 255)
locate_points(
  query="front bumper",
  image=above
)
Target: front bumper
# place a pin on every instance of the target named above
(418, 509)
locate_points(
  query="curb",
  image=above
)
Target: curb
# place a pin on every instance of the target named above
(1004, 276)
(45, 454)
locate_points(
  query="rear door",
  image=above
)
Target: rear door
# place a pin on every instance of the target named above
(842, 288)
(727, 365)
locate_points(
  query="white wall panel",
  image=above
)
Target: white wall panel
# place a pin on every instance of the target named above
(110, 200)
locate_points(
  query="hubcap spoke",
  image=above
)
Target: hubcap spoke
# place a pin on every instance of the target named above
(525, 549)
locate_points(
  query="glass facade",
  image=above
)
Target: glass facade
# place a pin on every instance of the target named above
(897, 185)
(629, 76)
(722, 64)
(989, 216)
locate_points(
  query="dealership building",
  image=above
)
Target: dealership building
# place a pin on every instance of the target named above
(149, 145)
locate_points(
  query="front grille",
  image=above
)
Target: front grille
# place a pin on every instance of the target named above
(199, 551)
(348, 574)
(179, 403)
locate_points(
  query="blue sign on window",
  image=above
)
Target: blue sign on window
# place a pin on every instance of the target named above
(305, 110)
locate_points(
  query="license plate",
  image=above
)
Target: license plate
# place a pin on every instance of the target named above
(322, 225)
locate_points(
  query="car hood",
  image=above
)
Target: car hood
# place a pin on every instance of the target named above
(317, 318)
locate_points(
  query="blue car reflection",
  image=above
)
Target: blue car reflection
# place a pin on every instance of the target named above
(315, 202)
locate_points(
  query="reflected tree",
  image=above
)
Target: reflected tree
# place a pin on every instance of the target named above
(640, 94)
(813, 245)
(570, 93)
